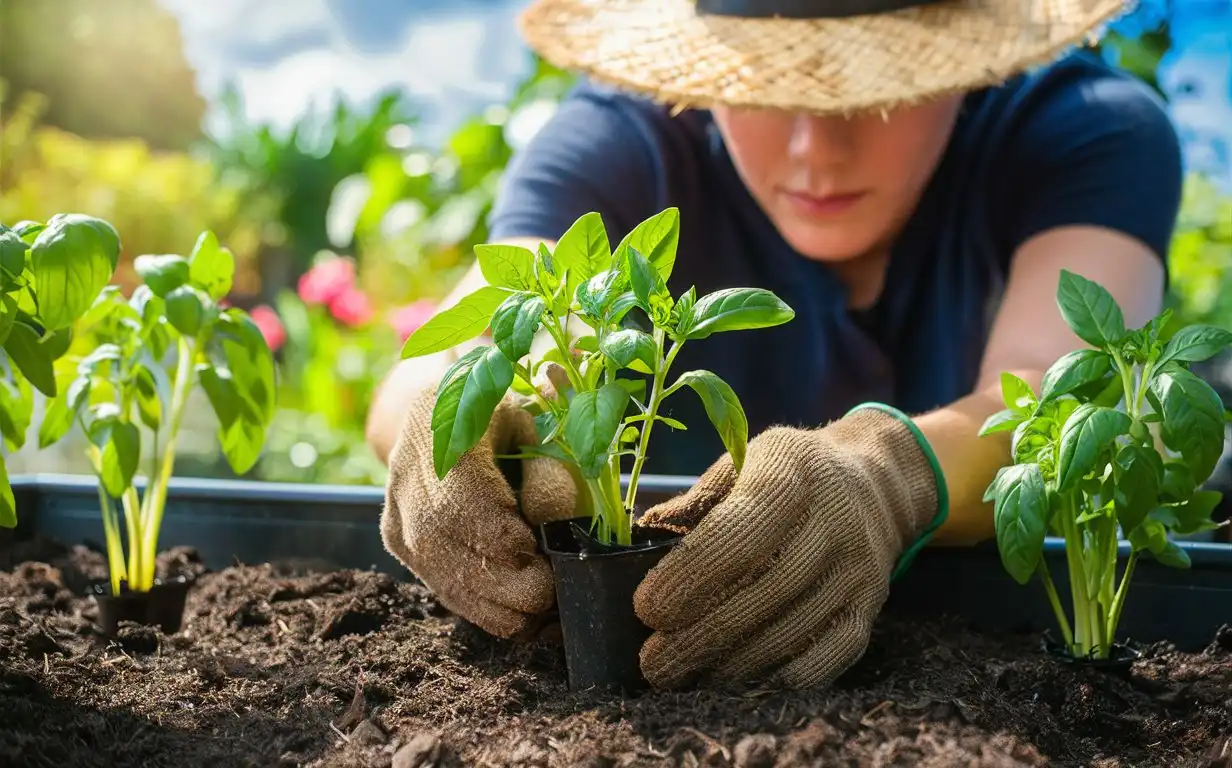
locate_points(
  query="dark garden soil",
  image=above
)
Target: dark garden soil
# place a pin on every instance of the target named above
(280, 666)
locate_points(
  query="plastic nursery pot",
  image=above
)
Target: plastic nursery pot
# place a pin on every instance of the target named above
(594, 595)
(162, 606)
(1120, 662)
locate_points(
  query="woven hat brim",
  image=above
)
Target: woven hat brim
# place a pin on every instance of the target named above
(665, 50)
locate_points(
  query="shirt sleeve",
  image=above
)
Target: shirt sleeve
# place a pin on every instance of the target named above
(596, 153)
(1102, 152)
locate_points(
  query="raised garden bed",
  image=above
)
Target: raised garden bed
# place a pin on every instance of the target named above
(305, 644)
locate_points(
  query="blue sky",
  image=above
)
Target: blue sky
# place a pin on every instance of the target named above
(288, 56)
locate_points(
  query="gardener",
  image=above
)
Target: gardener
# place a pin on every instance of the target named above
(912, 191)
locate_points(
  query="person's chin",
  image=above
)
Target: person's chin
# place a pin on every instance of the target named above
(828, 244)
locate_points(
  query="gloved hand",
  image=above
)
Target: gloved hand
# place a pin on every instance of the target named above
(783, 569)
(464, 536)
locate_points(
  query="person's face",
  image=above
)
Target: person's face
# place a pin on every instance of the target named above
(838, 188)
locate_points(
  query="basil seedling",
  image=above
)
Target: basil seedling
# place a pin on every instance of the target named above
(1120, 439)
(585, 426)
(142, 357)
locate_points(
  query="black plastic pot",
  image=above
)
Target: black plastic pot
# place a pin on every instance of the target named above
(594, 596)
(1120, 661)
(162, 606)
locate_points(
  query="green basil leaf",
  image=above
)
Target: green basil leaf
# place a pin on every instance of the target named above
(1178, 483)
(211, 267)
(734, 309)
(12, 260)
(149, 403)
(515, 322)
(56, 343)
(642, 278)
(186, 310)
(8, 316)
(8, 503)
(27, 229)
(466, 398)
(1020, 517)
(724, 410)
(1152, 537)
(241, 444)
(586, 344)
(1139, 474)
(1193, 419)
(1073, 370)
(59, 412)
(584, 251)
(1089, 310)
(239, 345)
(1017, 394)
(32, 357)
(1194, 516)
(596, 295)
(1086, 433)
(507, 266)
(225, 398)
(465, 320)
(163, 273)
(72, 260)
(1195, 343)
(657, 238)
(628, 346)
(1002, 421)
(635, 387)
(120, 442)
(591, 425)
(16, 410)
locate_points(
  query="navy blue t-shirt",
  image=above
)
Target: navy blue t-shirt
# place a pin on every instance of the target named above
(1073, 143)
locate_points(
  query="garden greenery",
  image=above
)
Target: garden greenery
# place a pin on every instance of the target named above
(1088, 460)
(585, 426)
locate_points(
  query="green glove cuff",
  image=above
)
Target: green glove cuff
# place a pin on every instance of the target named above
(943, 494)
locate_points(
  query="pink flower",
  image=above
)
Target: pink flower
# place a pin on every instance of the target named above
(351, 307)
(268, 322)
(325, 282)
(406, 320)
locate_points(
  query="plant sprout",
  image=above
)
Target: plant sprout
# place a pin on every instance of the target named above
(585, 426)
(1086, 463)
(142, 358)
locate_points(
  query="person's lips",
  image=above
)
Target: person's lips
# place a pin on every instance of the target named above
(815, 206)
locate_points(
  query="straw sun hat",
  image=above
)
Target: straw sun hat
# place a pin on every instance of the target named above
(820, 56)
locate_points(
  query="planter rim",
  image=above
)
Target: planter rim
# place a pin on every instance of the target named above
(1202, 554)
(255, 490)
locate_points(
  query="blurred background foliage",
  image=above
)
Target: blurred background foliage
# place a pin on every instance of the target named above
(347, 229)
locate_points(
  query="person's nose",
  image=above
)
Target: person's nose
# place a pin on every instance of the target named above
(825, 141)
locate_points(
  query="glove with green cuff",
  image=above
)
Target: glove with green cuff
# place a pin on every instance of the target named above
(784, 568)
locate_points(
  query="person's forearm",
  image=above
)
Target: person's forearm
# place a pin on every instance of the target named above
(968, 461)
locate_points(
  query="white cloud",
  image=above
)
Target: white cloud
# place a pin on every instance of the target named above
(459, 63)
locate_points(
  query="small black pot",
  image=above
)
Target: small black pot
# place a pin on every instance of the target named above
(594, 595)
(162, 606)
(1120, 662)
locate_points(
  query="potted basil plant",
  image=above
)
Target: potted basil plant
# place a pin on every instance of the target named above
(141, 359)
(600, 421)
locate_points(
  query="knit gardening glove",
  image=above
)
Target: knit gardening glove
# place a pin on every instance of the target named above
(784, 568)
(465, 536)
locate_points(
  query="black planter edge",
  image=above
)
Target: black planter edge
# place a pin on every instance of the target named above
(232, 521)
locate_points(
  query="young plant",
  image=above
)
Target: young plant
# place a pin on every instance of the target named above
(585, 425)
(50, 274)
(1088, 463)
(143, 357)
